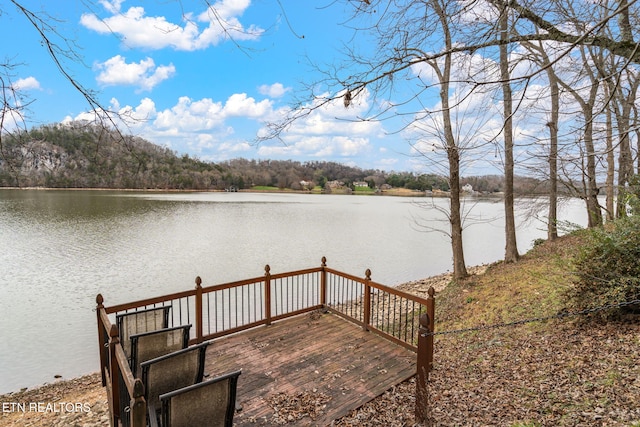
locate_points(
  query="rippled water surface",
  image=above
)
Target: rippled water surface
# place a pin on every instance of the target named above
(59, 249)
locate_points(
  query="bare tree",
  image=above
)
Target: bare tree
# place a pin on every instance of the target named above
(443, 72)
(623, 98)
(511, 247)
(587, 106)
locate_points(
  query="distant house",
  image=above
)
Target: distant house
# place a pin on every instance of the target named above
(335, 184)
(467, 188)
(360, 184)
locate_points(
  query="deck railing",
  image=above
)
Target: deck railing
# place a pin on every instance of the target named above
(227, 308)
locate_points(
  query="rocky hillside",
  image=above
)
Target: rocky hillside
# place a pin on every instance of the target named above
(80, 155)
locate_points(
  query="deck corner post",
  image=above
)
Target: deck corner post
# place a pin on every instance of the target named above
(102, 343)
(323, 283)
(431, 312)
(424, 363)
(114, 374)
(366, 321)
(267, 293)
(138, 405)
(198, 310)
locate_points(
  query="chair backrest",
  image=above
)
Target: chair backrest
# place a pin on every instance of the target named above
(171, 372)
(210, 403)
(140, 321)
(150, 345)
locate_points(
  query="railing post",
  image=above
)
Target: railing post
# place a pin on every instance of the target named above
(138, 405)
(366, 301)
(425, 359)
(101, 341)
(198, 310)
(267, 293)
(323, 283)
(114, 374)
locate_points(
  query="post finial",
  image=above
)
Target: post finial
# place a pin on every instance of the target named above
(424, 321)
(267, 269)
(324, 261)
(431, 292)
(367, 274)
(138, 388)
(99, 299)
(198, 281)
(113, 332)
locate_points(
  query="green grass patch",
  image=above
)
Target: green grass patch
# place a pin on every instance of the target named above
(531, 288)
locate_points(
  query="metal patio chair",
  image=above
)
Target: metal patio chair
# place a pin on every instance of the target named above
(171, 372)
(210, 403)
(140, 321)
(150, 345)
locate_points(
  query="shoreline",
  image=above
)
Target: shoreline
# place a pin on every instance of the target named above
(397, 192)
(83, 401)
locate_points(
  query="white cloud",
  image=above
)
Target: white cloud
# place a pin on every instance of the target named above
(275, 90)
(317, 147)
(28, 83)
(144, 74)
(333, 118)
(138, 116)
(191, 116)
(111, 6)
(223, 129)
(138, 30)
(330, 130)
(239, 105)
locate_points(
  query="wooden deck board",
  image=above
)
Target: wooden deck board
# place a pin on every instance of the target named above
(321, 357)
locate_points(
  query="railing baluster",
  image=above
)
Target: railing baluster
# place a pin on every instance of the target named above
(208, 313)
(235, 291)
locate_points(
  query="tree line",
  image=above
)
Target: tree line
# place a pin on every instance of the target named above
(81, 155)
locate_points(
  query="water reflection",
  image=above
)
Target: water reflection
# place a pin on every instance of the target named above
(61, 248)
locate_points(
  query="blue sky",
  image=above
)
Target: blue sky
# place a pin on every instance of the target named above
(166, 64)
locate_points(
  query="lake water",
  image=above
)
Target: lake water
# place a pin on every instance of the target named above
(59, 249)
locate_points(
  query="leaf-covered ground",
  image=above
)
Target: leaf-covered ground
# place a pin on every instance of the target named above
(572, 371)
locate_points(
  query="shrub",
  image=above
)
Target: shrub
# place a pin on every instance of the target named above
(607, 268)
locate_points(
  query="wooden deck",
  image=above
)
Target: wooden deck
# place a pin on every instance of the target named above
(308, 370)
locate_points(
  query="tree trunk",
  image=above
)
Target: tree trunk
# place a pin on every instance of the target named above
(552, 227)
(624, 105)
(453, 152)
(593, 206)
(611, 162)
(589, 171)
(511, 248)
(459, 267)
